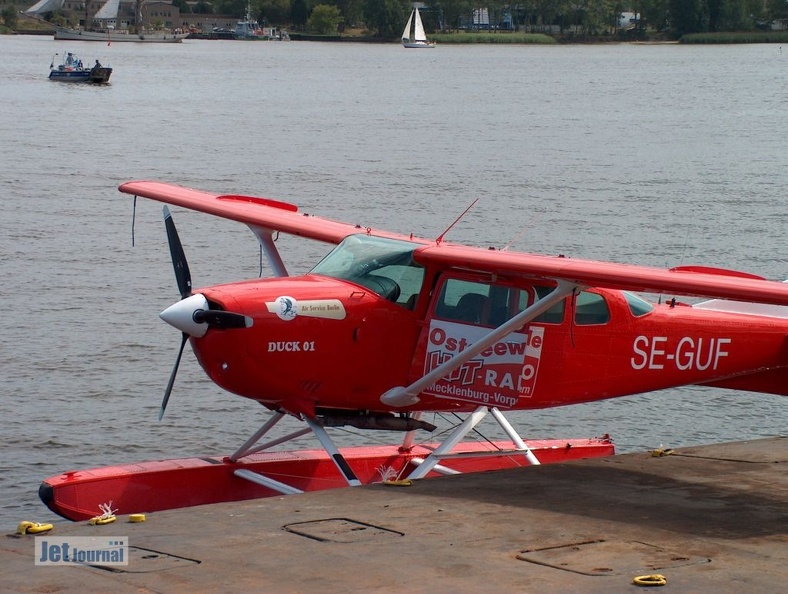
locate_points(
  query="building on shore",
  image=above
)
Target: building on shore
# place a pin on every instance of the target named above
(156, 14)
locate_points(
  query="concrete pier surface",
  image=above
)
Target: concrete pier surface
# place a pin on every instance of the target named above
(710, 519)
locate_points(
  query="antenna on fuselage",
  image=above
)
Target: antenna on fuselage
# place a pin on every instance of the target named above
(681, 260)
(442, 235)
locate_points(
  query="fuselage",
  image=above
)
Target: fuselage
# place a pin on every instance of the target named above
(369, 318)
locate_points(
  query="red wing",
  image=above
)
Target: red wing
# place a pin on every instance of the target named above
(607, 274)
(284, 217)
(256, 212)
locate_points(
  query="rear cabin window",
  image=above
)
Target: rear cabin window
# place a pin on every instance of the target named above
(591, 309)
(638, 307)
(554, 315)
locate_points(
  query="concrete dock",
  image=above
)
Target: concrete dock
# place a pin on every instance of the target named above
(709, 519)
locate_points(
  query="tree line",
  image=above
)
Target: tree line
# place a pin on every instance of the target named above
(593, 17)
(385, 18)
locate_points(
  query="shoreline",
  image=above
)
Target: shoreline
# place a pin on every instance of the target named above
(516, 38)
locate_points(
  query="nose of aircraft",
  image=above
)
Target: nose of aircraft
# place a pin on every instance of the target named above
(183, 315)
(193, 316)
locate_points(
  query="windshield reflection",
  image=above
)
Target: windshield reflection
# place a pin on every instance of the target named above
(382, 265)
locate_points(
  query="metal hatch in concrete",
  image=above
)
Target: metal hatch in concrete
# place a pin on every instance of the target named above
(340, 530)
(603, 557)
(143, 560)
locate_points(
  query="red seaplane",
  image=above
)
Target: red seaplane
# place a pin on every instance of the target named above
(388, 327)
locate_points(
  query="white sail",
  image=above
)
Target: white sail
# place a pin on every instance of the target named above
(420, 35)
(109, 10)
(419, 38)
(43, 6)
(405, 33)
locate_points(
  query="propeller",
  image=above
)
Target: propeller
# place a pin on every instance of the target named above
(191, 315)
(168, 391)
(182, 275)
(184, 280)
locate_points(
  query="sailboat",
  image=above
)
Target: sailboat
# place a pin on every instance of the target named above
(107, 15)
(419, 38)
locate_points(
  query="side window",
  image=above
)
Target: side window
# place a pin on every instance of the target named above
(481, 303)
(638, 307)
(591, 308)
(554, 315)
(463, 301)
(492, 305)
(507, 302)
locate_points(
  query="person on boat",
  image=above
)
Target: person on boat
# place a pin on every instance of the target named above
(98, 64)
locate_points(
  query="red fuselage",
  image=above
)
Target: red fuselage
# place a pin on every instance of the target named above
(346, 345)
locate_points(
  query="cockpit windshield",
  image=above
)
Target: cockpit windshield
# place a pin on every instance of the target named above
(382, 265)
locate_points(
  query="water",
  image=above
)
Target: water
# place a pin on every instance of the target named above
(657, 155)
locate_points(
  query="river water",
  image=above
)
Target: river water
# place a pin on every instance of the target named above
(650, 154)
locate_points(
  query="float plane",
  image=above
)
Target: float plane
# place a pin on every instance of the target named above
(388, 327)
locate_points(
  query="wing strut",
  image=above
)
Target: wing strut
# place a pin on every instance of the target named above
(266, 239)
(405, 396)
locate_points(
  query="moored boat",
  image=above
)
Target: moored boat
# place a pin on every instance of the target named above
(250, 29)
(73, 70)
(112, 35)
(103, 27)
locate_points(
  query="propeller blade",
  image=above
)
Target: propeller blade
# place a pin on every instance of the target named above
(182, 275)
(168, 391)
